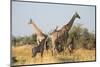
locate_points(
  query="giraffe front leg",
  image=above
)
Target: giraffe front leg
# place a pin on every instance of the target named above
(52, 51)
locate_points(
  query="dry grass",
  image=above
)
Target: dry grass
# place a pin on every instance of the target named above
(23, 56)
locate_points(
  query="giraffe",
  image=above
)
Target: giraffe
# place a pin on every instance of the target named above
(41, 39)
(39, 48)
(61, 35)
(40, 35)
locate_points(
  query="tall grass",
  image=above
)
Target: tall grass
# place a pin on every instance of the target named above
(23, 56)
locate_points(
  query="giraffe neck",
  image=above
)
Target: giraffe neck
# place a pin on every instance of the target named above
(69, 25)
(37, 30)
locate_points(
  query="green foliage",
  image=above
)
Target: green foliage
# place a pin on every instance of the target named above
(82, 37)
(18, 41)
(33, 38)
(13, 41)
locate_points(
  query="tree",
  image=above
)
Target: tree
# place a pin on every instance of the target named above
(92, 41)
(13, 41)
(76, 33)
(85, 38)
(33, 38)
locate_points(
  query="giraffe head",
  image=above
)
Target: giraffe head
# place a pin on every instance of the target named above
(30, 22)
(77, 15)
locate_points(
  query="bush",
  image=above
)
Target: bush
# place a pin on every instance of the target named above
(19, 41)
(82, 37)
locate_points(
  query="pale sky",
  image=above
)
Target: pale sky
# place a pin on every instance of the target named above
(48, 16)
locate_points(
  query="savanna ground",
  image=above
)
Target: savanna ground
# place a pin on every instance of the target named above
(23, 55)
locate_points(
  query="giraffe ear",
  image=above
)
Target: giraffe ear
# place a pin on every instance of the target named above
(30, 22)
(56, 28)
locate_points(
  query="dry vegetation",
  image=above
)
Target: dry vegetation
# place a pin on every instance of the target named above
(84, 49)
(23, 55)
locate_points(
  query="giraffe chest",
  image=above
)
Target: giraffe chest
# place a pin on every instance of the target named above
(54, 36)
(40, 38)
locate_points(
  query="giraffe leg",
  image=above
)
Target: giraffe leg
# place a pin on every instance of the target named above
(52, 51)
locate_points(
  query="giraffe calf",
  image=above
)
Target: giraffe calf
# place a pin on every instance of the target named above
(36, 50)
(40, 48)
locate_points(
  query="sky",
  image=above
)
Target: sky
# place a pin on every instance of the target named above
(48, 16)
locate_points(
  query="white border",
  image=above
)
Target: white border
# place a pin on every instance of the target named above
(5, 33)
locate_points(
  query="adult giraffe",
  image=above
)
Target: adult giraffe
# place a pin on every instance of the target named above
(41, 38)
(58, 37)
(40, 35)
